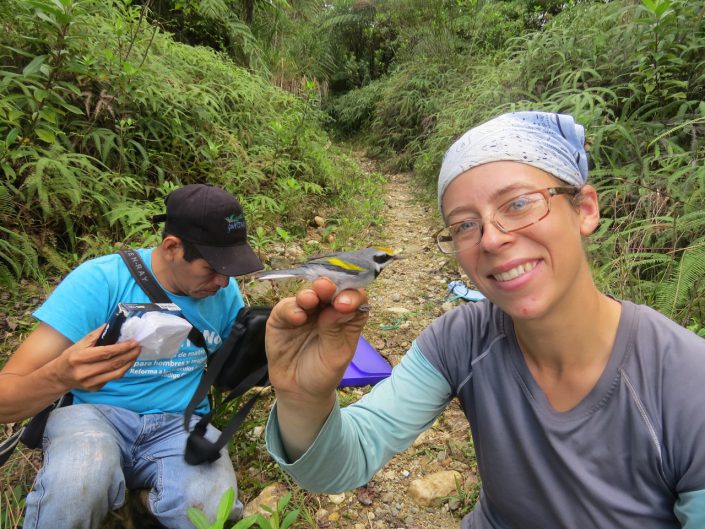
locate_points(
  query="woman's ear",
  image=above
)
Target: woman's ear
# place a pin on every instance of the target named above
(588, 207)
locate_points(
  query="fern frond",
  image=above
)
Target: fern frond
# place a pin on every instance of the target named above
(681, 288)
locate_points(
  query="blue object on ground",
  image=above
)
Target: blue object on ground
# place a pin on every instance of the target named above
(461, 291)
(367, 366)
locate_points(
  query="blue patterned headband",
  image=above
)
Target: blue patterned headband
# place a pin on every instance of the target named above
(551, 142)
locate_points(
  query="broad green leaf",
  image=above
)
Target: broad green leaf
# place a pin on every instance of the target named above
(283, 501)
(33, 67)
(226, 505)
(45, 135)
(49, 115)
(73, 109)
(246, 522)
(289, 519)
(198, 518)
(12, 136)
(40, 94)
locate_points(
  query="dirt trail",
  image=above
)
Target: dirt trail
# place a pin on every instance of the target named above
(406, 297)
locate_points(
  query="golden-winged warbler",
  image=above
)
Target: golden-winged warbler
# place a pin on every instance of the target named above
(355, 269)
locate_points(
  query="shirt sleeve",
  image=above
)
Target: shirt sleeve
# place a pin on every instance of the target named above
(355, 442)
(80, 303)
(690, 509)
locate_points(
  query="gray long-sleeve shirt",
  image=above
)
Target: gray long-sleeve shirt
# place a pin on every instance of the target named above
(631, 454)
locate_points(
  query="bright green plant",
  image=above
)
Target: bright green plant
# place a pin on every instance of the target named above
(201, 521)
(281, 517)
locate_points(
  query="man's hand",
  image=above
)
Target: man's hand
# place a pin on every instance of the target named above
(311, 339)
(85, 366)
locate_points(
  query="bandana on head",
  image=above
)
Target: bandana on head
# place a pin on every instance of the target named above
(551, 142)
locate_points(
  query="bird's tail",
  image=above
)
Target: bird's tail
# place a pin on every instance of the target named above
(281, 274)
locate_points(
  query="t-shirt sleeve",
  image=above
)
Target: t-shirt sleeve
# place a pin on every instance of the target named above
(357, 441)
(455, 340)
(682, 376)
(80, 303)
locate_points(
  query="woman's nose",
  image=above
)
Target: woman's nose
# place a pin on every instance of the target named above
(492, 238)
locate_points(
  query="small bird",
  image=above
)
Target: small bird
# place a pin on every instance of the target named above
(355, 269)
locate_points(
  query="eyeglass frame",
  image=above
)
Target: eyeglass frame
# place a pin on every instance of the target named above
(548, 193)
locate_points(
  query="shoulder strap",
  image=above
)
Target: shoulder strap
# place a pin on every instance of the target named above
(198, 448)
(8, 446)
(154, 292)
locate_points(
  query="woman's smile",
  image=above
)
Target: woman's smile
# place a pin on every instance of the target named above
(514, 271)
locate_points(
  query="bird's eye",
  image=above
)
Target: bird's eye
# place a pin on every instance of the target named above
(381, 258)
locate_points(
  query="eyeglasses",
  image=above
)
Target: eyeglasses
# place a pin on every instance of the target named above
(515, 214)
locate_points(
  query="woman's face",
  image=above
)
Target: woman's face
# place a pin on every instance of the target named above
(530, 272)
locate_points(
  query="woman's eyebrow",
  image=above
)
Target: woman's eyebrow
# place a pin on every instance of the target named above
(516, 187)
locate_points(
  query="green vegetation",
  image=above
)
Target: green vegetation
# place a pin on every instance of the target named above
(280, 517)
(632, 72)
(102, 114)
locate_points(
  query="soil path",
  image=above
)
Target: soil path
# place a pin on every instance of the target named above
(406, 297)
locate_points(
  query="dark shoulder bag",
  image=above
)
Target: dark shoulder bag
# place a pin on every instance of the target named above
(239, 365)
(31, 434)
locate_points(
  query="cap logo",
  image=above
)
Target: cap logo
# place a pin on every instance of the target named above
(235, 222)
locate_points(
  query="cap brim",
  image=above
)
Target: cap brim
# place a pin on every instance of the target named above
(238, 260)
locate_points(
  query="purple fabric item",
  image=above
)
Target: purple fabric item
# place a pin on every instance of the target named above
(551, 142)
(367, 366)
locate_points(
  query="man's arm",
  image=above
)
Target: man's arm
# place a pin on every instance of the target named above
(47, 365)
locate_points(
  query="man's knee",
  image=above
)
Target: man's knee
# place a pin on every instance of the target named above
(85, 465)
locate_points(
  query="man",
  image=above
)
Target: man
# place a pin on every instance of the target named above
(125, 427)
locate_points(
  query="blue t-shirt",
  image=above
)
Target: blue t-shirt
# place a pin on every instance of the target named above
(89, 296)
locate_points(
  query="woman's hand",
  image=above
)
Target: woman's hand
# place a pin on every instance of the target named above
(311, 339)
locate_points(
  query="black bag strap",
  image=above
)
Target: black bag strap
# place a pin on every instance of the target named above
(154, 292)
(9, 445)
(201, 450)
(198, 448)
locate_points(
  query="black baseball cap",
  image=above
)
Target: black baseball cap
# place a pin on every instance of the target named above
(212, 220)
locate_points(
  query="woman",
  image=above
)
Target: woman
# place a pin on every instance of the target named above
(586, 411)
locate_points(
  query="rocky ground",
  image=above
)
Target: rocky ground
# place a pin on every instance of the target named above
(417, 488)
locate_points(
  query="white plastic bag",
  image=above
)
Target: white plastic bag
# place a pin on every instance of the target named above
(159, 334)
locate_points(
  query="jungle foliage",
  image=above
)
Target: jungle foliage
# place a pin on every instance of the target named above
(103, 113)
(631, 71)
(106, 106)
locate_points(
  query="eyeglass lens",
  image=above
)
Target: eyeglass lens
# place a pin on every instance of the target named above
(515, 214)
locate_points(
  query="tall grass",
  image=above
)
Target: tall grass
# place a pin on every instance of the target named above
(632, 72)
(102, 114)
